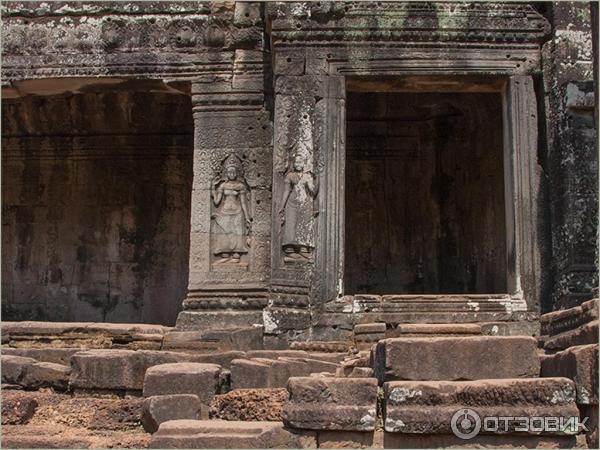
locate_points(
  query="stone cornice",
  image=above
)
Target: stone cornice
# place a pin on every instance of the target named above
(389, 23)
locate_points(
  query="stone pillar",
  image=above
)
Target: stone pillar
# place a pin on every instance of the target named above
(231, 197)
(572, 155)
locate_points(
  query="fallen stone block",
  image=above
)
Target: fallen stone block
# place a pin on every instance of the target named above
(226, 434)
(45, 374)
(456, 358)
(249, 405)
(203, 380)
(162, 408)
(222, 359)
(264, 373)
(355, 372)
(579, 364)
(13, 368)
(331, 404)
(118, 369)
(428, 407)
(582, 335)
(558, 322)
(46, 354)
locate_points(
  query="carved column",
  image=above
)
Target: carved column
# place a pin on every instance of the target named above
(231, 199)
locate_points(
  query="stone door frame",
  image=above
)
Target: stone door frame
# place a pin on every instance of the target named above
(312, 66)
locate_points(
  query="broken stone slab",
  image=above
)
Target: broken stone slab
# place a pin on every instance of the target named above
(118, 369)
(274, 354)
(13, 368)
(582, 335)
(355, 372)
(331, 403)
(203, 380)
(249, 405)
(57, 328)
(229, 434)
(456, 358)
(162, 408)
(45, 374)
(45, 354)
(579, 364)
(427, 407)
(558, 322)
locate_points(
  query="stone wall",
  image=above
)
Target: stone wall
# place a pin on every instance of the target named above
(96, 187)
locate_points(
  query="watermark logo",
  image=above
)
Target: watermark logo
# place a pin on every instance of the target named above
(467, 423)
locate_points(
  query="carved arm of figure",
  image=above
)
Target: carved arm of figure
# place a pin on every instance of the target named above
(216, 191)
(312, 184)
(287, 190)
(244, 204)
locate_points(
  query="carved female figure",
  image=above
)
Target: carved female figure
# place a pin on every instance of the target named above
(297, 213)
(231, 221)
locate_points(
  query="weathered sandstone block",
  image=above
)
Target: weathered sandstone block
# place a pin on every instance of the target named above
(13, 368)
(274, 373)
(162, 408)
(580, 364)
(203, 380)
(45, 374)
(331, 403)
(118, 369)
(226, 434)
(558, 322)
(456, 358)
(582, 335)
(427, 407)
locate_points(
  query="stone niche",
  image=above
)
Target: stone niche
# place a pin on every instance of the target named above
(96, 187)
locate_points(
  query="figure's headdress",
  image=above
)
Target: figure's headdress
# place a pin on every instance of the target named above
(233, 161)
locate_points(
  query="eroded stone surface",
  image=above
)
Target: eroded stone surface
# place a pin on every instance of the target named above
(580, 364)
(331, 403)
(456, 358)
(203, 380)
(427, 407)
(161, 408)
(225, 434)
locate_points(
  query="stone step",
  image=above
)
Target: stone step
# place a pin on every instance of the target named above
(455, 358)
(229, 434)
(428, 407)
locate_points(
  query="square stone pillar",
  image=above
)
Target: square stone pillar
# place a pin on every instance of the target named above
(231, 198)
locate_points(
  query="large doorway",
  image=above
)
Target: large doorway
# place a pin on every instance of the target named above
(424, 193)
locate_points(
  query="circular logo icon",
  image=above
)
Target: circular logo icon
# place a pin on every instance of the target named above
(466, 423)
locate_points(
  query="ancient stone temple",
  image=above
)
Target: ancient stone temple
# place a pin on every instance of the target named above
(259, 188)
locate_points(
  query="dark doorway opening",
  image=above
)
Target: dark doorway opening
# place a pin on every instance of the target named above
(424, 202)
